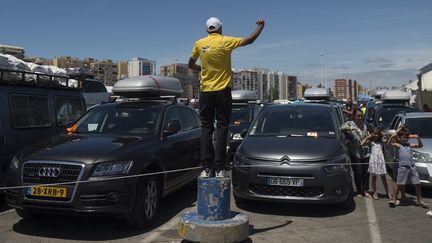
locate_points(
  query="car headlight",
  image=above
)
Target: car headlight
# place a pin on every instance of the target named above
(112, 168)
(421, 157)
(14, 164)
(237, 136)
(337, 164)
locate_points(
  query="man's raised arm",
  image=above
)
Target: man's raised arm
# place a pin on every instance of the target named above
(252, 37)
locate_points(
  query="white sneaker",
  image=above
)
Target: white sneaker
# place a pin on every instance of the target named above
(221, 174)
(205, 173)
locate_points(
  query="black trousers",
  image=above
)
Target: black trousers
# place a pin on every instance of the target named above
(361, 174)
(215, 104)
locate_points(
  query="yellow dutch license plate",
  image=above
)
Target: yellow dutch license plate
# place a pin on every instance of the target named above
(45, 191)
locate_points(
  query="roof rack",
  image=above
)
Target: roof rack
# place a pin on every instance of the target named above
(33, 79)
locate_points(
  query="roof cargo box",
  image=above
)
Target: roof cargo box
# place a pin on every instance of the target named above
(244, 95)
(317, 94)
(379, 93)
(391, 96)
(148, 86)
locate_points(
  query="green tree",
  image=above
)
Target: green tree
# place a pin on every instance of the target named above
(330, 92)
(275, 94)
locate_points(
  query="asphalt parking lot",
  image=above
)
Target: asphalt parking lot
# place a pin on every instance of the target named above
(369, 221)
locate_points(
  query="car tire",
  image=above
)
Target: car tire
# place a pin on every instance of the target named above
(146, 204)
(239, 200)
(27, 215)
(348, 203)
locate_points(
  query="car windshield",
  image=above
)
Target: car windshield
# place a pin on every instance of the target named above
(292, 121)
(420, 126)
(120, 120)
(241, 114)
(387, 114)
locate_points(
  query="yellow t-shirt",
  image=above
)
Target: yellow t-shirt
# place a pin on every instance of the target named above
(214, 52)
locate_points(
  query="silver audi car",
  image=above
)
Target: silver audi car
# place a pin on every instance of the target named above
(419, 123)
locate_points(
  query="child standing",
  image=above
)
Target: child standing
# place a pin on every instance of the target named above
(406, 168)
(377, 165)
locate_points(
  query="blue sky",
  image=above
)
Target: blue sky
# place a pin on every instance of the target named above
(379, 43)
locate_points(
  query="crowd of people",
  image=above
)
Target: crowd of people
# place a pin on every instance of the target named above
(366, 148)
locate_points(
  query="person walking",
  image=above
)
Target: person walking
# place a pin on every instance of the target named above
(214, 52)
(377, 166)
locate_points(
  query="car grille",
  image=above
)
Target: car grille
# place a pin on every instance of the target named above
(286, 190)
(69, 172)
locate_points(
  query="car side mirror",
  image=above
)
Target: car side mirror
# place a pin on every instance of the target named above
(71, 128)
(172, 127)
(243, 133)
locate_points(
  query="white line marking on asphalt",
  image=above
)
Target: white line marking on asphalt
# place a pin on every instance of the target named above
(158, 232)
(5, 212)
(372, 222)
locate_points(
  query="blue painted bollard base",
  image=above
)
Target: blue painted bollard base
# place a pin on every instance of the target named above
(195, 229)
(213, 201)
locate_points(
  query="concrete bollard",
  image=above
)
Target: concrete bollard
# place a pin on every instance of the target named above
(214, 198)
(214, 221)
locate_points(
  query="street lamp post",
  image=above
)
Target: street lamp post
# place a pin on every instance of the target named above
(322, 70)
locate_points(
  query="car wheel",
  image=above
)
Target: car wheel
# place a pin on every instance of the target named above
(239, 200)
(348, 203)
(146, 204)
(26, 214)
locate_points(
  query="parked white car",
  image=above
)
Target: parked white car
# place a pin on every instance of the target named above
(94, 92)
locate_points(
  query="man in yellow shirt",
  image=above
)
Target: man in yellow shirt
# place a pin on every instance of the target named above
(214, 52)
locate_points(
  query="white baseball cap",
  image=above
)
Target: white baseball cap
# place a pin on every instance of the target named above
(213, 24)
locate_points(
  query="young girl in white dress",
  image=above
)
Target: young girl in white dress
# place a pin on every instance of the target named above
(377, 166)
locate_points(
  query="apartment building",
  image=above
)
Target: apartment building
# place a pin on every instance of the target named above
(346, 88)
(188, 78)
(73, 62)
(122, 68)
(141, 66)
(105, 71)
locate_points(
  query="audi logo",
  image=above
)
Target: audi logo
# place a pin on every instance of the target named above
(49, 172)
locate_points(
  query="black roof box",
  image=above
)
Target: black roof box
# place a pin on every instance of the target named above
(148, 86)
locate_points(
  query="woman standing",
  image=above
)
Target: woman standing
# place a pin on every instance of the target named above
(360, 156)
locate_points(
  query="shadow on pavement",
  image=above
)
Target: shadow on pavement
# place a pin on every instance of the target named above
(426, 191)
(100, 228)
(253, 230)
(302, 210)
